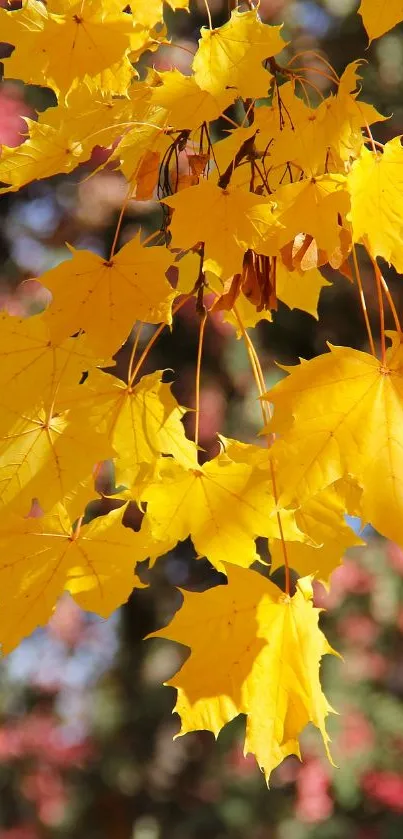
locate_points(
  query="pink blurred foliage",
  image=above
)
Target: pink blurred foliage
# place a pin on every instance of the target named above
(212, 414)
(359, 630)
(386, 788)
(46, 789)
(394, 555)
(23, 831)
(365, 665)
(238, 764)
(13, 109)
(348, 578)
(67, 623)
(314, 803)
(38, 734)
(356, 735)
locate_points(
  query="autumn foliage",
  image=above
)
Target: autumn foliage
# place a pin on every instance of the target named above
(294, 186)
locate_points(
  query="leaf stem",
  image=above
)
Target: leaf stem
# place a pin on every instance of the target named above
(203, 322)
(319, 57)
(178, 46)
(391, 303)
(304, 81)
(266, 414)
(362, 301)
(380, 306)
(154, 338)
(371, 139)
(315, 70)
(76, 531)
(134, 350)
(210, 22)
(120, 219)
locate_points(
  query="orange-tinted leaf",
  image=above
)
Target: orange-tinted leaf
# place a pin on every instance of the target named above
(378, 16)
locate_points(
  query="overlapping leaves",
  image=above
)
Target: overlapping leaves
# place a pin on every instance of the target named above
(252, 218)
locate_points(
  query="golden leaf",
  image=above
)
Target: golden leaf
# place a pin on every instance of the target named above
(42, 557)
(232, 56)
(227, 226)
(378, 16)
(340, 413)
(35, 365)
(254, 651)
(105, 297)
(79, 41)
(375, 184)
(322, 518)
(141, 421)
(46, 455)
(223, 505)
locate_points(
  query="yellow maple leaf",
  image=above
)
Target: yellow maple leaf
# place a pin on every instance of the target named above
(225, 150)
(375, 184)
(42, 557)
(105, 297)
(318, 140)
(247, 314)
(150, 12)
(37, 366)
(340, 413)
(223, 505)
(64, 137)
(322, 518)
(342, 117)
(94, 117)
(300, 289)
(232, 56)
(254, 651)
(378, 16)
(81, 41)
(45, 152)
(227, 226)
(148, 135)
(313, 206)
(141, 421)
(46, 455)
(186, 104)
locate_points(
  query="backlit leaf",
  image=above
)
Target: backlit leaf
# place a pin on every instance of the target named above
(375, 184)
(340, 413)
(105, 297)
(254, 651)
(227, 226)
(42, 557)
(141, 421)
(378, 16)
(232, 56)
(223, 505)
(46, 455)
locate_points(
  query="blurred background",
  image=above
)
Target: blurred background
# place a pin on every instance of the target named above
(86, 729)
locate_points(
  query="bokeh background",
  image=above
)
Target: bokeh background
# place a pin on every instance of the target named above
(86, 729)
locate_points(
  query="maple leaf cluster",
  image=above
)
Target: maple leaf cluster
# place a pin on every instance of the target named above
(252, 218)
